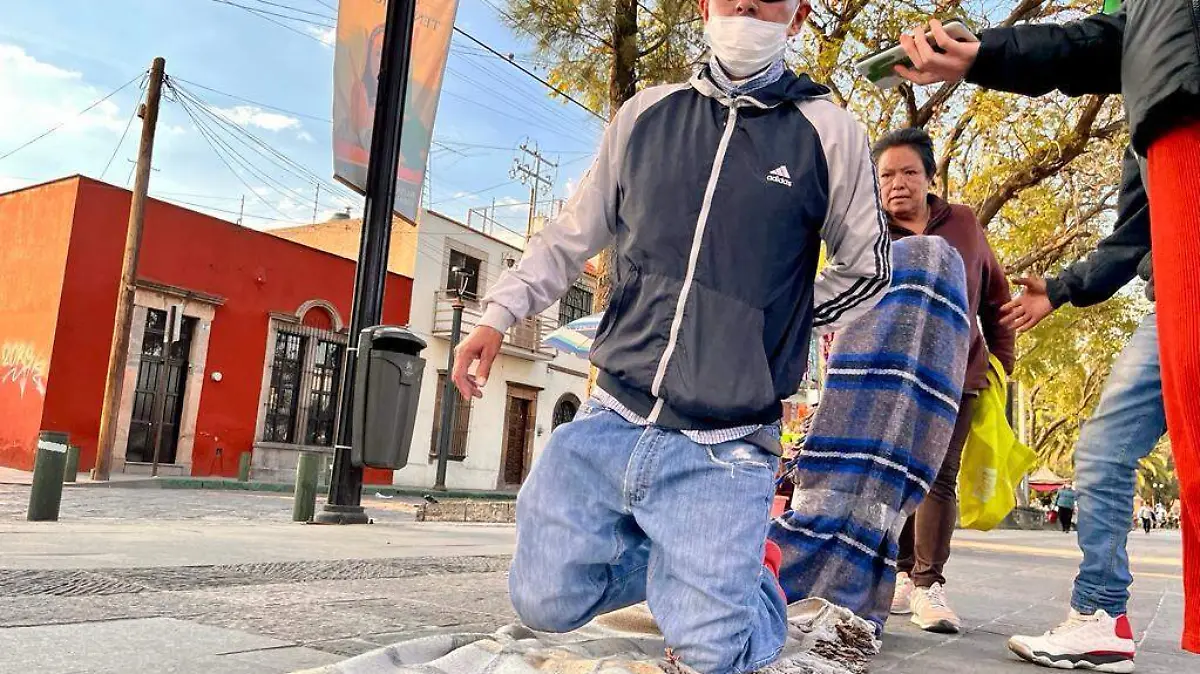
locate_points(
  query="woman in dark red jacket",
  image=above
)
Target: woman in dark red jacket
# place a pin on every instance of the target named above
(906, 168)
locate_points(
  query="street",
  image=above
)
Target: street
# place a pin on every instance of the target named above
(231, 586)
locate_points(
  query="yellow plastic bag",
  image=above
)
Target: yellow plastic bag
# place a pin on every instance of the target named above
(994, 461)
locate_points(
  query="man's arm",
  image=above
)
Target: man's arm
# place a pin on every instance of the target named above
(1076, 58)
(554, 257)
(1095, 279)
(1115, 261)
(1080, 57)
(858, 250)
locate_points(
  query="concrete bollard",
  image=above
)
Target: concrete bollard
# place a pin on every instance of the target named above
(71, 472)
(304, 505)
(244, 467)
(46, 495)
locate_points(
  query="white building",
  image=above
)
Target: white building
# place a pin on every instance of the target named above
(530, 390)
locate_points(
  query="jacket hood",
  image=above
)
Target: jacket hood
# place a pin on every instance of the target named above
(788, 88)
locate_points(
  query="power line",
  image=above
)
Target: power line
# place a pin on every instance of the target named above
(261, 147)
(528, 72)
(296, 9)
(121, 141)
(71, 119)
(253, 102)
(265, 13)
(212, 144)
(262, 16)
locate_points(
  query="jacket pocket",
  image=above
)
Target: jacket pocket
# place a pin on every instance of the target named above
(616, 305)
(719, 369)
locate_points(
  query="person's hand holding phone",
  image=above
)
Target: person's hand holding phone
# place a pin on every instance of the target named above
(950, 62)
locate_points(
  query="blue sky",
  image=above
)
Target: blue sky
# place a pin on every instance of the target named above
(59, 56)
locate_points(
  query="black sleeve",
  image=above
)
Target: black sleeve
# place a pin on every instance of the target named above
(1076, 58)
(1115, 261)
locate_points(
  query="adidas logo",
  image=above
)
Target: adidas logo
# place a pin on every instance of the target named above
(780, 176)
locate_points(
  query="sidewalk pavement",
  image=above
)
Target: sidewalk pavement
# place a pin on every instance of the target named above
(245, 591)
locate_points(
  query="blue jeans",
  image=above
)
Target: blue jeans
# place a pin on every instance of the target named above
(614, 514)
(1126, 426)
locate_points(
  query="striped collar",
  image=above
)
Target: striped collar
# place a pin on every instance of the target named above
(767, 77)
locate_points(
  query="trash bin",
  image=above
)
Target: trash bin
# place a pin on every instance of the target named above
(387, 388)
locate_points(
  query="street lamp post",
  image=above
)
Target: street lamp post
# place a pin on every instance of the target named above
(461, 276)
(344, 505)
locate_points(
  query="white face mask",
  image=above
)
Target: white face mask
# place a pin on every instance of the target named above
(744, 45)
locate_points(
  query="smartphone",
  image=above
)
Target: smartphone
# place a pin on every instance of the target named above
(879, 67)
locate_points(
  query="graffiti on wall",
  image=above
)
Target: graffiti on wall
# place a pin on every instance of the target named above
(21, 366)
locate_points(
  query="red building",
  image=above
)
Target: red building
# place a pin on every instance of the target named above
(254, 365)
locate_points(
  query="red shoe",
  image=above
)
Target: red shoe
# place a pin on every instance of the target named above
(773, 559)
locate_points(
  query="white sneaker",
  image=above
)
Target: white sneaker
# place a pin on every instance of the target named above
(931, 610)
(904, 590)
(1099, 641)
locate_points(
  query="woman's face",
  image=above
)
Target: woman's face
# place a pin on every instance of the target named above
(903, 183)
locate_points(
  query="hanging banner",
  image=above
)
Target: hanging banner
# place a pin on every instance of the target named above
(356, 82)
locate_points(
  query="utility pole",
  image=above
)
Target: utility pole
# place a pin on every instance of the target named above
(449, 395)
(528, 169)
(316, 201)
(122, 324)
(344, 505)
(242, 210)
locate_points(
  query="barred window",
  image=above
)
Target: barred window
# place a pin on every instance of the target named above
(305, 386)
(576, 304)
(462, 422)
(284, 397)
(326, 381)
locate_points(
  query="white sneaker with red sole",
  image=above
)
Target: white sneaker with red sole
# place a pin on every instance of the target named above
(1098, 642)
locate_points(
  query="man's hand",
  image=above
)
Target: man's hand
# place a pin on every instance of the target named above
(930, 66)
(482, 346)
(1026, 311)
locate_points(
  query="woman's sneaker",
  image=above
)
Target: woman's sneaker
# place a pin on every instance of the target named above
(931, 610)
(904, 590)
(1098, 641)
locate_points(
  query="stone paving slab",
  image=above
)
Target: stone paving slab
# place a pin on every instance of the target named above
(141, 645)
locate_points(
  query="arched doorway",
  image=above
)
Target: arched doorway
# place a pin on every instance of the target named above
(565, 410)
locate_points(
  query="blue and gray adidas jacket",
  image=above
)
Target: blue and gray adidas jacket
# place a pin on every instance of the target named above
(718, 208)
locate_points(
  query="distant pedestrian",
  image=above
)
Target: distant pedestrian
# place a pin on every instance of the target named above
(1146, 515)
(1065, 502)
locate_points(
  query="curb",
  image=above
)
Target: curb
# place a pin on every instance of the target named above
(216, 484)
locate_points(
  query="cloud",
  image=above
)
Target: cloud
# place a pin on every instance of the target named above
(253, 116)
(306, 137)
(327, 36)
(35, 96)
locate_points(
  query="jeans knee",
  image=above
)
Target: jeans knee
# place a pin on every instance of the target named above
(547, 614)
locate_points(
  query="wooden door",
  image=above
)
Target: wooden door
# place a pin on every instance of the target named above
(520, 422)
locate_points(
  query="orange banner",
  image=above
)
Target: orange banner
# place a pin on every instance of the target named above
(356, 82)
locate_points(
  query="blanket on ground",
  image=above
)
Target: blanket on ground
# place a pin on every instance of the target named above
(893, 384)
(822, 639)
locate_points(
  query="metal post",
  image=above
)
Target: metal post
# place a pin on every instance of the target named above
(71, 472)
(304, 503)
(46, 495)
(122, 324)
(244, 461)
(449, 394)
(345, 494)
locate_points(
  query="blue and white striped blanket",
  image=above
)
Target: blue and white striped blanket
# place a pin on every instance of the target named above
(892, 389)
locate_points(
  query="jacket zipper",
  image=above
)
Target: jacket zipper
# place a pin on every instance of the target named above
(693, 258)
